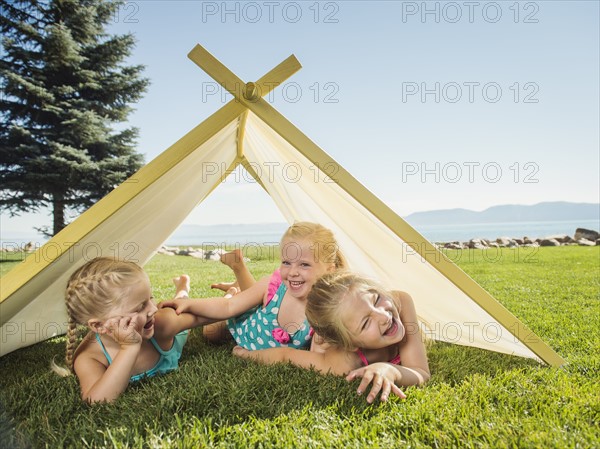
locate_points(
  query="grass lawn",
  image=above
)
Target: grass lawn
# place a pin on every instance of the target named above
(475, 398)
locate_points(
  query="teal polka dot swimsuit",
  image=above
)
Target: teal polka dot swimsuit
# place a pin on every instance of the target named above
(259, 327)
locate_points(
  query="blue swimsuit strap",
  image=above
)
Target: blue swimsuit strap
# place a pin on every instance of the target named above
(157, 347)
(152, 340)
(103, 349)
(139, 376)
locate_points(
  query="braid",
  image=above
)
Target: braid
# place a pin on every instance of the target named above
(71, 343)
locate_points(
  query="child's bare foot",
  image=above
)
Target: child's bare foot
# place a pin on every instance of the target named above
(182, 286)
(233, 259)
(231, 292)
(225, 286)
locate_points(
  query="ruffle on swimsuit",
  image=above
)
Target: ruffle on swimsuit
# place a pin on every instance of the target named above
(259, 327)
(365, 362)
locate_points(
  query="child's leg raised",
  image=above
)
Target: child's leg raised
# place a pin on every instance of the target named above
(218, 332)
(244, 279)
(182, 286)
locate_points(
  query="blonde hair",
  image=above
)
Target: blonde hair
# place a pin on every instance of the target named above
(324, 245)
(92, 290)
(325, 298)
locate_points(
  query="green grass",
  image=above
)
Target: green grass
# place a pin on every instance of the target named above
(475, 398)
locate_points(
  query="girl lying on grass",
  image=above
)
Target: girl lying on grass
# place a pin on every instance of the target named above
(128, 337)
(361, 330)
(274, 309)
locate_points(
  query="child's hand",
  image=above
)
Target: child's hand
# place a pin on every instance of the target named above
(180, 305)
(122, 330)
(382, 376)
(238, 351)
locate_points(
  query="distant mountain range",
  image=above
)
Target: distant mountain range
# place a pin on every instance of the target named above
(551, 211)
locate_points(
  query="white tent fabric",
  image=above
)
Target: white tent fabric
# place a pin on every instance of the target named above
(134, 220)
(134, 232)
(303, 192)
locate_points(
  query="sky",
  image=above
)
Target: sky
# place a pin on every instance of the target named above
(431, 105)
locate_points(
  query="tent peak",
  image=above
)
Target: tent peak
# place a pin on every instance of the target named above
(251, 92)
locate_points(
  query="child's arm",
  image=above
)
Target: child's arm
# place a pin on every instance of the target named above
(99, 383)
(414, 368)
(333, 361)
(214, 309)
(169, 323)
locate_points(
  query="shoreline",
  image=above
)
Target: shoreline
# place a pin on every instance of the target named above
(581, 237)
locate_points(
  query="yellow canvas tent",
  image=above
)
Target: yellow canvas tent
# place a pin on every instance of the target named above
(137, 217)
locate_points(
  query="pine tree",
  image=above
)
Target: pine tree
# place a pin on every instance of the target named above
(65, 88)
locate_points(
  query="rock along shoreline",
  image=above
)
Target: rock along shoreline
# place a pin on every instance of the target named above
(582, 237)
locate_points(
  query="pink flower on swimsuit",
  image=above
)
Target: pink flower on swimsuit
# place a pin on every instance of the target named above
(280, 335)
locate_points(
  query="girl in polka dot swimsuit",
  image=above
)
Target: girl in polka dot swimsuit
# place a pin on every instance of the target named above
(259, 327)
(271, 312)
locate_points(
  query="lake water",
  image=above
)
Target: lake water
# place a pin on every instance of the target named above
(271, 232)
(533, 229)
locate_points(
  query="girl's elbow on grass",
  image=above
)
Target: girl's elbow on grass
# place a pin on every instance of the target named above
(269, 356)
(98, 393)
(275, 355)
(92, 398)
(408, 376)
(423, 376)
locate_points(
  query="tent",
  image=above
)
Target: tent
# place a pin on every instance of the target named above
(134, 220)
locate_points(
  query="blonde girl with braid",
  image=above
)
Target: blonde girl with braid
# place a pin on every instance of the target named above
(128, 337)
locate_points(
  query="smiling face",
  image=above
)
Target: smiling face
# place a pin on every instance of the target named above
(301, 267)
(371, 319)
(138, 304)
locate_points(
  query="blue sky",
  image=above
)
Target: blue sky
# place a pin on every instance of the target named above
(431, 105)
